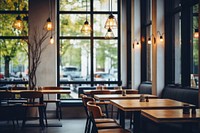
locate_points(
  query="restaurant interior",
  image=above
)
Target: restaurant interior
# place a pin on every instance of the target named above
(99, 66)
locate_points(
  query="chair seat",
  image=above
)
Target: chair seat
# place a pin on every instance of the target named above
(33, 105)
(116, 130)
(104, 120)
(107, 125)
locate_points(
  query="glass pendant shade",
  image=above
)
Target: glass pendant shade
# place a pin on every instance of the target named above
(49, 25)
(196, 33)
(109, 34)
(86, 28)
(18, 23)
(111, 22)
(51, 40)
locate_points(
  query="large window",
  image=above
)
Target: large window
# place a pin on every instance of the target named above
(13, 47)
(195, 48)
(149, 35)
(87, 59)
(177, 47)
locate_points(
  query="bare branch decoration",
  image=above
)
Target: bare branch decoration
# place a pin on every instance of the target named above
(36, 46)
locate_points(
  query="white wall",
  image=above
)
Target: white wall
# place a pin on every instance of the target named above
(158, 57)
(123, 44)
(38, 14)
(136, 51)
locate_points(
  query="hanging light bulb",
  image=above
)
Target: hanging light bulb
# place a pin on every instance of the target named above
(111, 22)
(49, 25)
(86, 28)
(161, 39)
(109, 34)
(196, 33)
(149, 40)
(18, 23)
(51, 40)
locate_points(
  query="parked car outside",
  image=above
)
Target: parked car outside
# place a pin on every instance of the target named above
(103, 76)
(71, 73)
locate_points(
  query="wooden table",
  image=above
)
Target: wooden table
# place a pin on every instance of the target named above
(135, 106)
(173, 116)
(112, 91)
(105, 97)
(43, 92)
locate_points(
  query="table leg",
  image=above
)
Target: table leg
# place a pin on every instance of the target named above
(122, 118)
(41, 115)
(136, 128)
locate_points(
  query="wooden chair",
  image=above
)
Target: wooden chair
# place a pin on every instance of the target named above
(96, 92)
(128, 91)
(31, 97)
(96, 113)
(56, 101)
(5, 96)
(86, 99)
(5, 114)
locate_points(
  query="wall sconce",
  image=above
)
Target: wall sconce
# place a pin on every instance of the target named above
(196, 33)
(149, 39)
(154, 38)
(161, 36)
(135, 42)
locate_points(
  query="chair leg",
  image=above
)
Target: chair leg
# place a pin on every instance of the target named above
(106, 108)
(57, 110)
(131, 119)
(89, 125)
(86, 126)
(45, 116)
(60, 112)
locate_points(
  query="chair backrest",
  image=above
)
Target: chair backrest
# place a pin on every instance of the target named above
(51, 88)
(31, 96)
(19, 88)
(4, 95)
(100, 92)
(95, 110)
(131, 91)
(86, 99)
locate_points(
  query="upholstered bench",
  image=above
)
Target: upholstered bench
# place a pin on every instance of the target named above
(145, 88)
(187, 95)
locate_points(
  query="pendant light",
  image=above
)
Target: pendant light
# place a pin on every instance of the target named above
(111, 22)
(86, 27)
(196, 33)
(51, 38)
(49, 25)
(18, 23)
(109, 34)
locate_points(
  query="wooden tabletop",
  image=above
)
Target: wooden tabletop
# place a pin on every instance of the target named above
(171, 115)
(44, 91)
(120, 96)
(112, 91)
(136, 105)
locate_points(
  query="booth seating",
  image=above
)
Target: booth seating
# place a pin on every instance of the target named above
(145, 88)
(188, 95)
